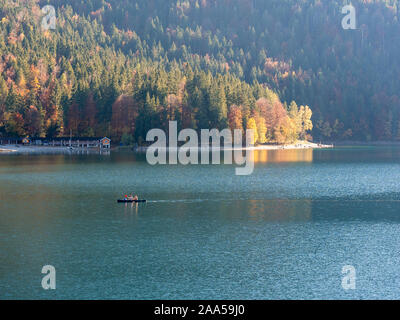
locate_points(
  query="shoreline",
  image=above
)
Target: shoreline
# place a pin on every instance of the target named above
(364, 143)
(301, 145)
(48, 149)
(14, 149)
(7, 150)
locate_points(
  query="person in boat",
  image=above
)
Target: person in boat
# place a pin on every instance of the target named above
(133, 198)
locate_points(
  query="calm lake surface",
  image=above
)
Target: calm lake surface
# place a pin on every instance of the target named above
(285, 232)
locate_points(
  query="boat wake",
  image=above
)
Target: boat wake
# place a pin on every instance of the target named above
(178, 201)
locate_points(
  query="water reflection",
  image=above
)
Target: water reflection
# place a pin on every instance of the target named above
(279, 210)
(41, 163)
(131, 208)
(237, 210)
(276, 156)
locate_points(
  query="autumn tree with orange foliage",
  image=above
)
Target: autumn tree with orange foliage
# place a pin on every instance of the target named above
(235, 118)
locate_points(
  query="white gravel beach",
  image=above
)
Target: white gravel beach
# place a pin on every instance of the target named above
(293, 146)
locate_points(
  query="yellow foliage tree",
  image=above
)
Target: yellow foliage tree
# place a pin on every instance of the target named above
(306, 114)
(295, 116)
(301, 118)
(251, 125)
(286, 131)
(261, 129)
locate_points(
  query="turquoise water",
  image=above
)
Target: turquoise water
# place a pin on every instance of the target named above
(285, 232)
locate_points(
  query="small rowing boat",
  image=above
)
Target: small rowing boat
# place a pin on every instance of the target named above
(131, 201)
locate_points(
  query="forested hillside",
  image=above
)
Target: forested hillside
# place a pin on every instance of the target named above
(121, 67)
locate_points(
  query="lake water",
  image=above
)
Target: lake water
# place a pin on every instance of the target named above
(284, 232)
